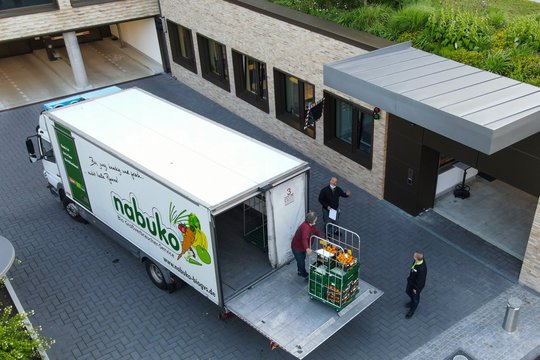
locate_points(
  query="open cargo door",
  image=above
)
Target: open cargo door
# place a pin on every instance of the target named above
(286, 209)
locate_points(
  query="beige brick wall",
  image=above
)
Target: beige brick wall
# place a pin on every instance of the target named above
(530, 271)
(69, 18)
(286, 47)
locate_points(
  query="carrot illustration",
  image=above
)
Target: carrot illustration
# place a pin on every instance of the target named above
(189, 239)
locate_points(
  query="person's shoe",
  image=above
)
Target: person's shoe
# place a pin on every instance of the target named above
(409, 314)
(408, 305)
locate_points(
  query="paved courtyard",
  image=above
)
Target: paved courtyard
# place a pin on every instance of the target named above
(94, 298)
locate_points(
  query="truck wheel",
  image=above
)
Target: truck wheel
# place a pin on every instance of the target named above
(155, 274)
(73, 210)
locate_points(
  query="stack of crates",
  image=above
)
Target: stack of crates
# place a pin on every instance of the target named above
(333, 283)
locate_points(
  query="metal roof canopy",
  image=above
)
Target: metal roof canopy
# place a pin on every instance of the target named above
(477, 108)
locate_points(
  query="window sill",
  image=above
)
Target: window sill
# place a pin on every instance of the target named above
(362, 158)
(250, 98)
(218, 81)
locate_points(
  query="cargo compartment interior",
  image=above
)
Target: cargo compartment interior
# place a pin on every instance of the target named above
(242, 245)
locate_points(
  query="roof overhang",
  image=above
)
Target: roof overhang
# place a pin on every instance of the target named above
(477, 108)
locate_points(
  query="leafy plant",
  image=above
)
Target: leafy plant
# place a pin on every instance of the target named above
(16, 340)
(498, 62)
(496, 18)
(524, 31)
(472, 58)
(455, 28)
(409, 19)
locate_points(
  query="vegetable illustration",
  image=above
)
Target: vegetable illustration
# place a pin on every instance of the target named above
(203, 254)
(193, 237)
(193, 222)
(189, 238)
(200, 239)
(193, 261)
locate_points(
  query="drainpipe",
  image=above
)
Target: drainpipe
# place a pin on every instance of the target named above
(76, 60)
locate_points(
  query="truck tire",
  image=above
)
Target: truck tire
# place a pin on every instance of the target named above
(72, 210)
(155, 274)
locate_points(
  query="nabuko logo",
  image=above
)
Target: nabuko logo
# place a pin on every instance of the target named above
(151, 224)
(193, 246)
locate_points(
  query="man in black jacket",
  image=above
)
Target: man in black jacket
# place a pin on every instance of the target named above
(416, 281)
(329, 199)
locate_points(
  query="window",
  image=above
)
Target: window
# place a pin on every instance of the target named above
(348, 129)
(250, 80)
(293, 98)
(18, 7)
(213, 56)
(76, 3)
(47, 150)
(182, 46)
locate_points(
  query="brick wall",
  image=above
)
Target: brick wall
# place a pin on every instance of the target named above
(69, 18)
(530, 271)
(286, 47)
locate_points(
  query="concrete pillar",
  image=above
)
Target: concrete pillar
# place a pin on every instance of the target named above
(530, 271)
(76, 60)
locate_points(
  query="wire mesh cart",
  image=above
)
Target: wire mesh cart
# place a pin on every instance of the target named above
(334, 267)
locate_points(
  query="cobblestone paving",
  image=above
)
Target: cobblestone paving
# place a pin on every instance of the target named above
(95, 299)
(482, 336)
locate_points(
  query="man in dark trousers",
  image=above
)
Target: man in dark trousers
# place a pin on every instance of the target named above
(300, 242)
(329, 199)
(416, 281)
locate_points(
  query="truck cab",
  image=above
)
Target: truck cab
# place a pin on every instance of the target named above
(40, 148)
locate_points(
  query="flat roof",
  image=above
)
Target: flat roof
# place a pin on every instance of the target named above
(477, 108)
(201, 159)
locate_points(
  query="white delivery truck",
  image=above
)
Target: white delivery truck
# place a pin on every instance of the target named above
(197, 202)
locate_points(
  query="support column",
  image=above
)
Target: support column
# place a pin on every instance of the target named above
(530, 271)
(76, 60)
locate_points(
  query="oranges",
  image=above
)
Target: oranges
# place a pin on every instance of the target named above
(345, 258)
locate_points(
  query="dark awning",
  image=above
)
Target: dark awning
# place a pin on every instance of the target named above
(477, 108)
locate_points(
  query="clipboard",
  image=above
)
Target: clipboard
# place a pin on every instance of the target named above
(332, 214)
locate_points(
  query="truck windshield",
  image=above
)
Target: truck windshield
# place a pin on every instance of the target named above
(47, 150)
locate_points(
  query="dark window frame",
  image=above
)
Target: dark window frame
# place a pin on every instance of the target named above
(221, 80)
(296, 122)
(175, 42)
(80, 3)
(334, 142)
(259, 97)
(26, 10)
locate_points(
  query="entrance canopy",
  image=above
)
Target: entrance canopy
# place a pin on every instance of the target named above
(477, 108)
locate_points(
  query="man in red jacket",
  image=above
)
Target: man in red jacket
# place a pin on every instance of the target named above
(300, 242)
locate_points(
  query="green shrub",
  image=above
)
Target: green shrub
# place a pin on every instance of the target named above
(525, 67)
(496, 18)
(339, 4)
(409, 19)
(472, 58)
(368, 17)
(498, 62)
(450, 27)
(524, 32)
(16, 341)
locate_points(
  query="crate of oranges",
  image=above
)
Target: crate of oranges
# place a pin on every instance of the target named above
(346, 259)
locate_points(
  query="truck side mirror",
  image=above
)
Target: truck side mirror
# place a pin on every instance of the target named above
(31, 150)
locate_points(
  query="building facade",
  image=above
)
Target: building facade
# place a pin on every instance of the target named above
(267, 64)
